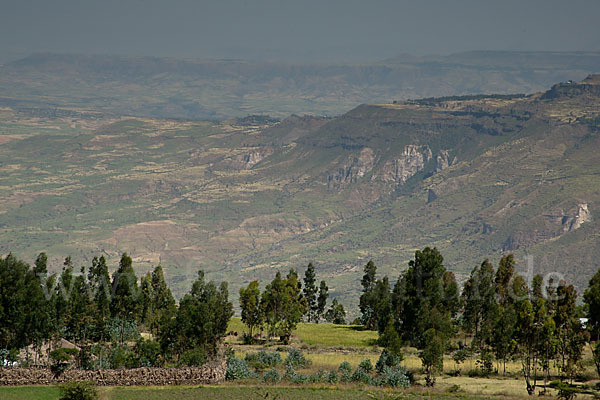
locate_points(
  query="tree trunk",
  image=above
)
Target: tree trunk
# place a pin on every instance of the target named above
(530, 389)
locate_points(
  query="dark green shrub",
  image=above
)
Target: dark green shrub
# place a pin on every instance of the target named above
(565, 390)
(377, 381)
(318, 377)
(263, 360)
(300, 379)
(121, 356)
(333, 377)
(387, 359)
(272, 376)
(61, 359)
(78, 391)
(345, 367)
(63, 354)
(193, 358)
(366, 365)
(360, 375)
(148, 353)
(296, 359)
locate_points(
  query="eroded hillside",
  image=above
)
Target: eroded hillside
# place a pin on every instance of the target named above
(475, 176)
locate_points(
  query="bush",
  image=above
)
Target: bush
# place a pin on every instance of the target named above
(193, 358)
(122, 357)
(263, 360)
(333, 377)
(346, 377)
(78, 391)
(300, 379)
(148, 353)
(360, 375)
(366, 365)
(61, 359)
(63, 354)
(395, 377)
(272, 376)
(345, 367)
(237, 369)
(290, 373)
(565, 390)
(296, 359)
(377, 381)
(390, 339)
(293, 377)
(387, 359)
(318, 377)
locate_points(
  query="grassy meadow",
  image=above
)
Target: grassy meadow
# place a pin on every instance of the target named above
(241, 392)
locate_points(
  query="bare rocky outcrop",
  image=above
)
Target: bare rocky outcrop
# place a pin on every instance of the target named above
(211, 373)
(553, 226)
(572, 222)
(411, 161)
(443, 161)
(396, 170)
(353, 171)
(253, 157)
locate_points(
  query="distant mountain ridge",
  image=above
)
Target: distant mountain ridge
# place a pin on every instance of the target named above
(221, 89)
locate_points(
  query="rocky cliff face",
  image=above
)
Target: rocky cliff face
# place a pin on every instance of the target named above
(411, 161)
(589, 86)
(443, 161)
(354, 170)
(575, 220)
(396, 170)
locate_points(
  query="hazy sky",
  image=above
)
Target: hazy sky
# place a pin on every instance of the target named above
(326, 30)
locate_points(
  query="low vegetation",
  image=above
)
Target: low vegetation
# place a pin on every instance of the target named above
(422, 331)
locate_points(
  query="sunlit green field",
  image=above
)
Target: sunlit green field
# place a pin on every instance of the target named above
(29, 392)
(235, 392)
(324, 335)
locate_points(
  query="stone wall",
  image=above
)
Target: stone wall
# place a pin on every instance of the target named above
(211, 373)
